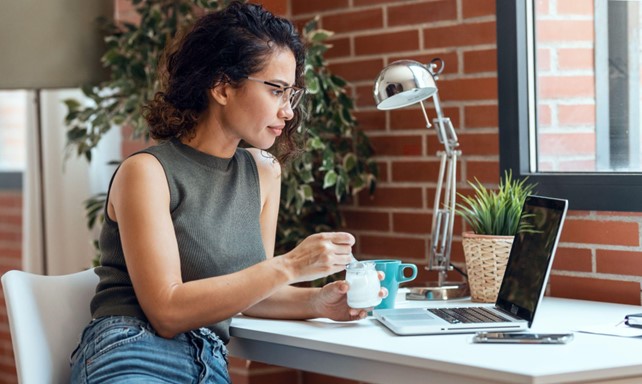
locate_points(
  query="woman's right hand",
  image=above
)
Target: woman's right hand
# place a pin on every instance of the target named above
(320, 255)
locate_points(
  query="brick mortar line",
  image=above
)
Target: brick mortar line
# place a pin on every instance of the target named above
(596, 217)
(435, 159)
(414, 131)
(10, 228)
(399, 211)
(384, 13)
(420, 51)
(11, 245)
(445, 104)
(419, 27)
(562, 17)
(418, 236)
(579, 128)
(567, 72)
(459, 10)
(369, 256)
(594, 275)
(594, 260)
(454, 104)
(456, 236)
(567, 158)
(478, 158)
(601, 247)
(409, 184)
(384, 7)
(432, 158)
(417, 52)
(422, 184)
(381, 210)
(423, 131)
(569, 101)
(459, 128)
(14, 210)
(445, 77)
(584, 44)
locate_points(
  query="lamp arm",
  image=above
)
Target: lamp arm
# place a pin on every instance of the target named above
(445, 131)
(445, 194)
(444, 214)
(440, 225)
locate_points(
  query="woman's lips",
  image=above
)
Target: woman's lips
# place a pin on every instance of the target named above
(276, 130)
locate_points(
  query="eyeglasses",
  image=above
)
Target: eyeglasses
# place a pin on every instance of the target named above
(291, 94)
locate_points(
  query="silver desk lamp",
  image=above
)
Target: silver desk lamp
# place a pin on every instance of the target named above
(403, 83)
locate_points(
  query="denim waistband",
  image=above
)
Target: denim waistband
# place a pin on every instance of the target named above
(193, 353)
(99, 324)
(96, 326)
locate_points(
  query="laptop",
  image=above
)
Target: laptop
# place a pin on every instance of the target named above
(522, 288)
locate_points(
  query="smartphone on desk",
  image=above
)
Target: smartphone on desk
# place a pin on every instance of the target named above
(522, 338)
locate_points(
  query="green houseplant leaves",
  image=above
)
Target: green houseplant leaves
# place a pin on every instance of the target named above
(336, 163)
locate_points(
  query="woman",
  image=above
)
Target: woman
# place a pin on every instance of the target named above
(190, 224)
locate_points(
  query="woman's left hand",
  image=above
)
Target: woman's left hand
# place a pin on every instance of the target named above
(332, 302)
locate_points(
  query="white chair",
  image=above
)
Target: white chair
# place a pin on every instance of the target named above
(46, 316)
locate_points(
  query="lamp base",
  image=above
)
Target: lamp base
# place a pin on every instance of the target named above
(449, 290)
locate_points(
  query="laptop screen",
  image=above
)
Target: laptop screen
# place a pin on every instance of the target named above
(531, 256)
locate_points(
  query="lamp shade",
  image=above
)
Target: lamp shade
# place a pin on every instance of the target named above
(51, 43)
(402, 83)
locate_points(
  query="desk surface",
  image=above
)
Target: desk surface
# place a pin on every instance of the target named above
(365, 350)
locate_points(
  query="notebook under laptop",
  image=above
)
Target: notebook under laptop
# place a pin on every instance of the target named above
(522, 287)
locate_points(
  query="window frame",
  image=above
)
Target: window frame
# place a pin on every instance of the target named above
(585, 191)
(10, 181)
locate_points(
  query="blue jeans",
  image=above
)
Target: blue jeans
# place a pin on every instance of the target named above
(121, 349)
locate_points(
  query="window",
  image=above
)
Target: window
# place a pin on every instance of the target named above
(569, 100)
(13, 122)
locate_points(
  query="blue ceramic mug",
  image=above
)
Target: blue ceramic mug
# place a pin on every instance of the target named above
(395, 274)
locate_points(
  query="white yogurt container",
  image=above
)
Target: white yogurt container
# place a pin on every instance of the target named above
(364, 285)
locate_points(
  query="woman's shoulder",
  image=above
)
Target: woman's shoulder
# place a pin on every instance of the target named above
(266, 163)
(141, 165)
(139, 179)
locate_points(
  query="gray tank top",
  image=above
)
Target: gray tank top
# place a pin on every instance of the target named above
(215, 206)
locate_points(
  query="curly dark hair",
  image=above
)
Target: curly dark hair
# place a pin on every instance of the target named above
(223, 46)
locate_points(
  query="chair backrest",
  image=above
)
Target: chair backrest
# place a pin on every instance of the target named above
(46, 316)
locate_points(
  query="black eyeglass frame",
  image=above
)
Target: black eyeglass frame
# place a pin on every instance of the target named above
(295, 97)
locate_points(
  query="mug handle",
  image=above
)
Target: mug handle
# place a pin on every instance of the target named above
(400, 274)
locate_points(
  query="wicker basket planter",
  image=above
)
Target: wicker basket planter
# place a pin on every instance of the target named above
(486, 258)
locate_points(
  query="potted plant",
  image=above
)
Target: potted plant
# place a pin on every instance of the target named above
(493, 217)
(336, 159)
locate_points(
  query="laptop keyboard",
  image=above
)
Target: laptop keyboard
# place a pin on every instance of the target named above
(467, 315)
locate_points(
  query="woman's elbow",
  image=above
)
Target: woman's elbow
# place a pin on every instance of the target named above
(164, 324)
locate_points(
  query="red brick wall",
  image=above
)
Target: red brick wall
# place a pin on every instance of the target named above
(566, 85)
(10, 258)
(396, 221)
(599, 256)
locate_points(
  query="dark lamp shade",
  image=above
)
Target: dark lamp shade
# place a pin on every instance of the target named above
(47, 44)
(403, 83)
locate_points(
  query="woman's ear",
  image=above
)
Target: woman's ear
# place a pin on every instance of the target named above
(220, 93)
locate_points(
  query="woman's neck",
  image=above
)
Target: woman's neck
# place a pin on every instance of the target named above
(209, 137)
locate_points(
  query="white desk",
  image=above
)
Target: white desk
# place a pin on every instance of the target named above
(365, 350)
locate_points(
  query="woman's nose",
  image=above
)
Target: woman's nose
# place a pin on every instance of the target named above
(286, 112)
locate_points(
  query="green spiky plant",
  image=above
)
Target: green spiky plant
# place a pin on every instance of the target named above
(496, 212)
(335, 162)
